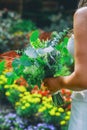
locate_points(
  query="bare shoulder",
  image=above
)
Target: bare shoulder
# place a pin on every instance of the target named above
(80, 33)
(81, 12)
(80, 19)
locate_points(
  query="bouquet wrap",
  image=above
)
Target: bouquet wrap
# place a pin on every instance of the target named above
(57, 99)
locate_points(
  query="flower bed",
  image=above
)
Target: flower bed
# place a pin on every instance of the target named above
(31, 109)
(21, 85)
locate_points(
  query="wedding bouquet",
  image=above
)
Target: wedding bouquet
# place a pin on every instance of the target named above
(42, 59)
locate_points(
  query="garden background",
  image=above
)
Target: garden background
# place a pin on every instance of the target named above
(33, 45)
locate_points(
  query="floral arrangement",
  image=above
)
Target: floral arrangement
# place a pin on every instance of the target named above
(43, 59)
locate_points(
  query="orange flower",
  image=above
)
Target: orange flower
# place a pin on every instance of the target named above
(22, 82)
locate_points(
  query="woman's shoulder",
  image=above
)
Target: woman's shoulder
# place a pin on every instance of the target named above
(81, 12)
(80, 18)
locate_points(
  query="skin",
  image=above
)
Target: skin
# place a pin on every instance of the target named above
(77, 81)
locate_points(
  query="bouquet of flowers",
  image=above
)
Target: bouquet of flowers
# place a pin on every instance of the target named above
(42, 59)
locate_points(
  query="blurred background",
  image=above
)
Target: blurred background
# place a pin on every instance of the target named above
(18, 18)
(45, 13)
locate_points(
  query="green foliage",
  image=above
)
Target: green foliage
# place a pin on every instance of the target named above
(11, 76)
(53, 59)
(33, 75)
(29, 69)
(19, 64)
(28, 105)
(14, 96)
(3, 81)
(23, 25)
(65, 59)
(13, 31)
(35, 41)
(34, 36)
(2, 66)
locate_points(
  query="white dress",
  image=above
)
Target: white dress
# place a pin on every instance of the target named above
(78, 119)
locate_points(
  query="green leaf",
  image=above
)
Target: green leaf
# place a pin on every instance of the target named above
(16, 62)
(2, 66)
(41, 61)
(11, 77)
(25, 61)
(34, 36)
(58, 47)
(66, 40)
(65, 51)
(19, 70)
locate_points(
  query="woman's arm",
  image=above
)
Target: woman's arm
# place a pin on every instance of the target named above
(78, 79)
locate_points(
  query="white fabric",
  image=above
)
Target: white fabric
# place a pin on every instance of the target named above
(78, 120)
(70, 45)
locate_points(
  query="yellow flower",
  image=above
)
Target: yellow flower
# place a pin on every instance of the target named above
(67, 117)
(36, 100)
(42, 109)
(23, 101)
(23, 107)
(55, 108)
(44, 98)
(17, 104)
(3, 78)
(63, 122)
(48, 105)
(19, 33)
(7, 70)
(27, 105)
(44, 102)
(28, 97)
(68, 113)
(7, 93)
(57, 114)
(1, 82)
(6, 86)
(31, 100)
(49, 99)
(22, 89)
(20, 95)
(24, 98)
(26, 93)
(14, 86)
(52, 113)
(60, 109)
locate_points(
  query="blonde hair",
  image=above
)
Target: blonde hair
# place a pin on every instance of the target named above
(82, 3)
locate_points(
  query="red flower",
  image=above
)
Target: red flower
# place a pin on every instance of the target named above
(9, 57)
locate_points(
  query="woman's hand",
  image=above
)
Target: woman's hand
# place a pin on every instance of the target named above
(53, 84)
